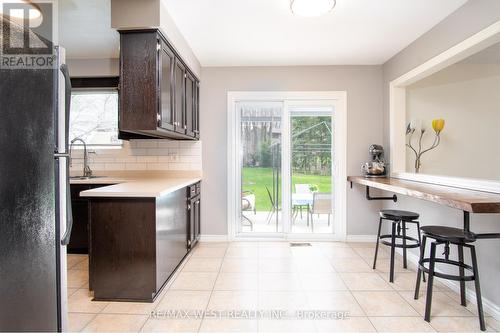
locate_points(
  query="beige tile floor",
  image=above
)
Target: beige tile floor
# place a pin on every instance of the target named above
(274, 276)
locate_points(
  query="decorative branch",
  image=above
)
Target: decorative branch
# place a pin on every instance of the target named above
(437, 125)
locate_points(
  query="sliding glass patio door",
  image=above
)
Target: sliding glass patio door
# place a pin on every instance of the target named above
(260, 167)
(311, 166)
(285, 170)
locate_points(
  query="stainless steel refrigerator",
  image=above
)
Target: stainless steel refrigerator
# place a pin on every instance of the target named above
(35, 211)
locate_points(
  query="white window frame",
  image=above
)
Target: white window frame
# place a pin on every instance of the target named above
(290, 98)
(398, 122)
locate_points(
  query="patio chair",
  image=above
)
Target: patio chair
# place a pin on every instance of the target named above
(274, 207)
(322, 204)
(248, 204)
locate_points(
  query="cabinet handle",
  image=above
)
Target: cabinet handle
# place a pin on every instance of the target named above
(158, 47)
(189, 206)
(185, 127)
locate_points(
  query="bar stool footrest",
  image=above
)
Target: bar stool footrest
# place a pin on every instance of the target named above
(448, 276)
(415, 243)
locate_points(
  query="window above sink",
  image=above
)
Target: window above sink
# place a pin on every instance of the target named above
(94, 112)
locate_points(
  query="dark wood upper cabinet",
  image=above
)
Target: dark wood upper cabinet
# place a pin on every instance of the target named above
(196, 119)
(180, 97)
(190, 104)
(158, 92)
(166, 87)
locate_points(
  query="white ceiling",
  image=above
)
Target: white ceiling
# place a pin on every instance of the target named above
(85, 29)
(266, 33)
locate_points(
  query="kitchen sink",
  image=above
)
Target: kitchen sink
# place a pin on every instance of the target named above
(86, 177)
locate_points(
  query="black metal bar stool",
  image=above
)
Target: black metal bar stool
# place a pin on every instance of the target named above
(446, 236)
(399, 219)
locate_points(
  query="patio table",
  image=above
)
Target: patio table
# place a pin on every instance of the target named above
(300, 200)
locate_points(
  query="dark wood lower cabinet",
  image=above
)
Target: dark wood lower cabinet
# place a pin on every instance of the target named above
(194, 214)
(80, 232)
(136, 245)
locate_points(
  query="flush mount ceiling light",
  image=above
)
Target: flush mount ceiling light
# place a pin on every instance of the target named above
(311, 8)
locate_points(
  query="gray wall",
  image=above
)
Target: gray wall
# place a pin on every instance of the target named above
(364, 107)
(474, 16)
(93, 67)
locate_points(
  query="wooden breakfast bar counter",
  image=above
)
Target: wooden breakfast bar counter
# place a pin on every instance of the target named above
(469, 201)
(466, 200)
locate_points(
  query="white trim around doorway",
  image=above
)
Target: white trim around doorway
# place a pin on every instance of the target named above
(339, 99)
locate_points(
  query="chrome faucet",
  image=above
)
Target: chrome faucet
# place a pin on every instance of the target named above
(87, 172)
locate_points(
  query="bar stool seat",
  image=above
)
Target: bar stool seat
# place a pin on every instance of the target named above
(397, 238)
(396, 215)
(453, 235)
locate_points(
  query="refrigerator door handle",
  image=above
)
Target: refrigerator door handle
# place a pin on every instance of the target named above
(69, 213)
(67, 100)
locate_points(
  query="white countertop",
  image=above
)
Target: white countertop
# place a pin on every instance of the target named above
(150, 188)
(110, 180)
(137, 185)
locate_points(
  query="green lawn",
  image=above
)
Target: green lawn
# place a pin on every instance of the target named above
(256, 179)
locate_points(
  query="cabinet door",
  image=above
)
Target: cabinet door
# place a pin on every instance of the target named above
(179, 88)
(190, 104)
(197, 219)
(196, 116)
(166, 73)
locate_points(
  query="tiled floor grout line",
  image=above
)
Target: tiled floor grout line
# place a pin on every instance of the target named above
(357, 302)
(213, 288)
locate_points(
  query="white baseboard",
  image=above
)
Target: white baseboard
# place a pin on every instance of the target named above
(213, 238)
(361, 238)
(488, 306)
(313, 238)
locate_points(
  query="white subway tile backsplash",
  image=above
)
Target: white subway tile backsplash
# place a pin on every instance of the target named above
(147, 159)
(147, 143)
(98, 166)
(107, 159)
(127, 159)
(168, 144)
(113, 166)
(179, 166)
(158, 166)
(136, 166)
(164, 159)
(144, 155)
(158, 151)
(138, 151)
